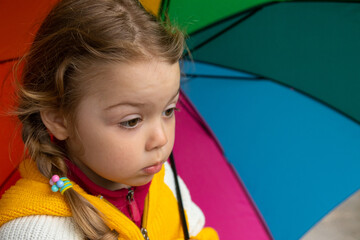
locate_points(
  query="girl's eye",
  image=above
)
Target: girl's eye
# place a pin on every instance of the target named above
(131, 123)
(170, 112)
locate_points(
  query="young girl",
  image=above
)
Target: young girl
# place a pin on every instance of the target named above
(97, 100)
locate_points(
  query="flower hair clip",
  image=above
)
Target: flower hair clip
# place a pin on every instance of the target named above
(61, 184)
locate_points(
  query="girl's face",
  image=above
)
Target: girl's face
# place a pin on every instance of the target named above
(126, 123)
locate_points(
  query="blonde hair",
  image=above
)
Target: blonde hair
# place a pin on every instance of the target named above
(75, 35)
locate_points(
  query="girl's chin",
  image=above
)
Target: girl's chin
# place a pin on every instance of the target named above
(143, 180)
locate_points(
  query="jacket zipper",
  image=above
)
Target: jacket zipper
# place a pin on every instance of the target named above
(145, 234)
(145, 218)
(130, 197)
(134, 211)
(133, 208)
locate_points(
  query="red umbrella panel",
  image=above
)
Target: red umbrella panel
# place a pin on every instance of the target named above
(19, 22)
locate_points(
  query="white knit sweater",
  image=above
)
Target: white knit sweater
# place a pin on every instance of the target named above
(43, 227)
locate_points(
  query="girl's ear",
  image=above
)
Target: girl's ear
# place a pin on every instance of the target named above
(55, 123)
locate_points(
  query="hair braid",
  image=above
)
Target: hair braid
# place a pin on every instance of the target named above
(37, 141)
(50, 161)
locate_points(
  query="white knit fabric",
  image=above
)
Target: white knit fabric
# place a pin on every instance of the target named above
(43, 227)
(40, 227)
(196, 218)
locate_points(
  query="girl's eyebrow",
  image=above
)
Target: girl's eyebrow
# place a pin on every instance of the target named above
(135, 104)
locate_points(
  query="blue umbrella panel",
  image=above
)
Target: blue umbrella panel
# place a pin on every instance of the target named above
(297, 157)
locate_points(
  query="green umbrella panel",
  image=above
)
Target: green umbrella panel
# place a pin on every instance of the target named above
(309, 46)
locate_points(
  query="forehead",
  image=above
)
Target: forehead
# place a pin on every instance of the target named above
(146, 81)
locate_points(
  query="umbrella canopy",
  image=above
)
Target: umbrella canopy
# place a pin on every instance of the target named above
(298, 158)
(286, 149)
(195, 147)
(19, 22)
(310, 48)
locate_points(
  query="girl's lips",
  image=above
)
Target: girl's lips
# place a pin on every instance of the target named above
(153, 169)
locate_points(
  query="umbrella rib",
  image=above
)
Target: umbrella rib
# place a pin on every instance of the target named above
(237, 14)
(9, 60)
(223, 31)
(267, 78)
(251, 11)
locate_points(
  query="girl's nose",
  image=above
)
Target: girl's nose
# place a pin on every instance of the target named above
(157, 137)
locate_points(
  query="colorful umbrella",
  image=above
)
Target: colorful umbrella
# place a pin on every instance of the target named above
(288, 70)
